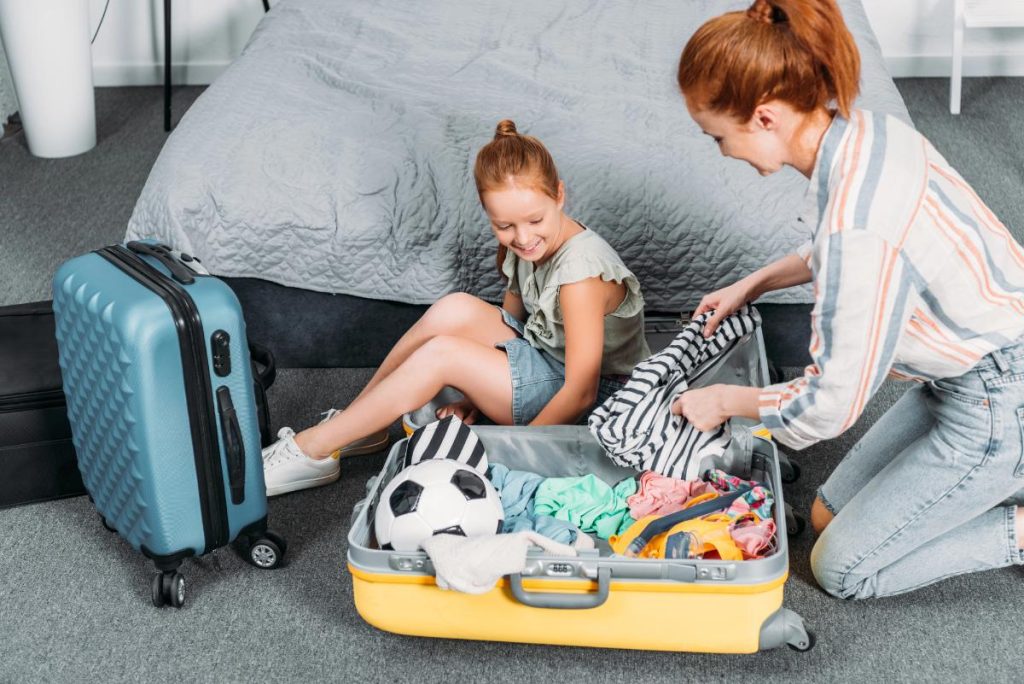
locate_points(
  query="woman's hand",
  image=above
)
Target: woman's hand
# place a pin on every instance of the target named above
(723, 302)
(708, 407)
(465, 410)
(702, 408)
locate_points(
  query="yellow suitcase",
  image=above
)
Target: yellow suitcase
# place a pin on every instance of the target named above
(592, 600)
(595, 599)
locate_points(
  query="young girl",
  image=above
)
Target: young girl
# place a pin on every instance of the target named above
(914, 277)
(569, 330)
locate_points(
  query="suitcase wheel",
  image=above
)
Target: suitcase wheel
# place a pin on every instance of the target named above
(168, 588)
(106, 524)
(795, 523)
(265, 554)
(805, 644)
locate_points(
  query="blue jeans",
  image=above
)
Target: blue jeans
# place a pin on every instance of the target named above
(931, 491)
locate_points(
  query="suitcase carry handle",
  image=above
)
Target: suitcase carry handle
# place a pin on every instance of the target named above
(234, 448)
(264, 367)
(551, 599)
(179, 272)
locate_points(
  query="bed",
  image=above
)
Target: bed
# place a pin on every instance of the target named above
(327, 173)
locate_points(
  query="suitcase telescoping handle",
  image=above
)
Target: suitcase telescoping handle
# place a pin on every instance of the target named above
(234, 448)
(551, 599)
(161, 253)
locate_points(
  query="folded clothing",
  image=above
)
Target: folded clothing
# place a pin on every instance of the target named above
(587, 502)
(660, 495)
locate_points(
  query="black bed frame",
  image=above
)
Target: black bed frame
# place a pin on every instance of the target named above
(307, 329)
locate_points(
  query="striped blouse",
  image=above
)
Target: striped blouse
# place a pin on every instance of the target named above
(914, 277)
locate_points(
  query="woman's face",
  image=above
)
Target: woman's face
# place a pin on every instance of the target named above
(757, 141)
(526, 220)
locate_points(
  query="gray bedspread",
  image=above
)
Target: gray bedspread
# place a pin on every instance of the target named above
(336, 153)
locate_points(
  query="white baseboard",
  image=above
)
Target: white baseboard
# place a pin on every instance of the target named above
(907, 66)
(105, 75)
(900, 66)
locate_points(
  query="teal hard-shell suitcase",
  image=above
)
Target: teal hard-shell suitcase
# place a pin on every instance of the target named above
(162, 404)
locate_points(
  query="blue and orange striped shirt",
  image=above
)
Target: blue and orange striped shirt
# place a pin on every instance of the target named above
(914, 277)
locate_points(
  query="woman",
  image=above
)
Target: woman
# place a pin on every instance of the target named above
(913, 277)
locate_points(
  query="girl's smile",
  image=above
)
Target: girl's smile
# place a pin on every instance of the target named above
(528, 221)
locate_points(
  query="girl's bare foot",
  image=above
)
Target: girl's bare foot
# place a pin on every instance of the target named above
(464, 409)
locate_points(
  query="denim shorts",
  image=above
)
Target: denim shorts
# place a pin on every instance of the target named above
(537, 375)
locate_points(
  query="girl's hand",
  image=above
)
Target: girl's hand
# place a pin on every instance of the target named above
(723, 302)
(464, 409)
(703, 408)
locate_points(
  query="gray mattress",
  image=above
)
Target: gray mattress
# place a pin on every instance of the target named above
(336, 153)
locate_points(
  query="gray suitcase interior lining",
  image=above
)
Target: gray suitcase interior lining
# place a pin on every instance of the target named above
(570, 451)
(567, 451)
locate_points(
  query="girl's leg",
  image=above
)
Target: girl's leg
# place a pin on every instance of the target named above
(941, 507)
(477, 369)
(904, 422)
(458, 314)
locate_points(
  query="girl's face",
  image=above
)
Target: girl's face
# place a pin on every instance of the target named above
(757, 142)
(526, 220)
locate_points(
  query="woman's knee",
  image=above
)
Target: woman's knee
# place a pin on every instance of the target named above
(840, 568)
(828, 566)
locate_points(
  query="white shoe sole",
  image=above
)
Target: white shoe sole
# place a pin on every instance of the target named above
(371, 448)
(304, 484)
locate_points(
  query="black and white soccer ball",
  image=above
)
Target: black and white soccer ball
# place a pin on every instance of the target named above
(436, 496)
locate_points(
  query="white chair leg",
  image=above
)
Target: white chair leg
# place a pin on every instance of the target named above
(956, 74)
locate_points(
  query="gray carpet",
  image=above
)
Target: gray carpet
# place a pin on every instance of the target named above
(74, 599)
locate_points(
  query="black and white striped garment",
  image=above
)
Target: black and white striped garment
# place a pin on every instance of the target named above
(446, 438)
(636, 425)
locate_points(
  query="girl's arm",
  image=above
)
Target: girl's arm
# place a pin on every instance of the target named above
(513, 303)
(583, 308)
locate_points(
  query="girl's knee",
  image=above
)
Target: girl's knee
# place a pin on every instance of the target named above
(437, 351)
(451, 311)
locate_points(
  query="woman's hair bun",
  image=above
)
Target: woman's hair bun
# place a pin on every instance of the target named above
(505, 127)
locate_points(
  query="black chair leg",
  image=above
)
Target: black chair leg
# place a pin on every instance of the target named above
(167, 65)
(266, 5)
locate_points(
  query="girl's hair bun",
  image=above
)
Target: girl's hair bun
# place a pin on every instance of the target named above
(505, 127)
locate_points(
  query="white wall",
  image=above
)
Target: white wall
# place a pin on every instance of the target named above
(917, 37)
(206, 35)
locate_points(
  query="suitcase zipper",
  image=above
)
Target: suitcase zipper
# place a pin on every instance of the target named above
(206, 446)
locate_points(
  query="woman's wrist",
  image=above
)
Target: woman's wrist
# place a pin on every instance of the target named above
(753, 286)
(740, 401)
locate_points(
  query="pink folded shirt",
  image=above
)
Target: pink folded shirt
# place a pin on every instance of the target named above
(660, 495)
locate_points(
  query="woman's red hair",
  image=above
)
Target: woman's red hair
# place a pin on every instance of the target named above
(797, 51)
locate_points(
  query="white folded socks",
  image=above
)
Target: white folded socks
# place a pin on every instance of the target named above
(474, 564)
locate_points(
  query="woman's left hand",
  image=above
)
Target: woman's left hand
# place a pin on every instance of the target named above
(703, 408)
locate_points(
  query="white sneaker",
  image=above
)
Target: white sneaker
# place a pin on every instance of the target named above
(286, 468)
(370, 444)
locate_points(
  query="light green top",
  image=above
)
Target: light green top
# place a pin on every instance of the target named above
(584, 255)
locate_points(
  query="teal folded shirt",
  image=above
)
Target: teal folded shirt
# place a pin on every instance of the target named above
(587, 502)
